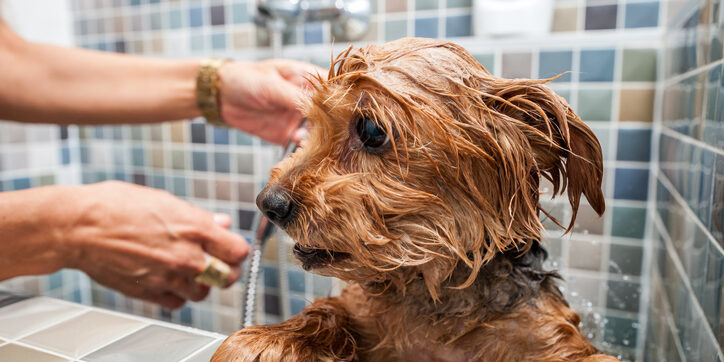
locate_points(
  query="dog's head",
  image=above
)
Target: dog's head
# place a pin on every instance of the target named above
(418, 160)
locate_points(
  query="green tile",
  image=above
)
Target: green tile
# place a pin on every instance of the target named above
(565, 93)
(487, 60)
(136, 133)
(595, 104)
(628, 222)
(459, 3)
(395, 29)
(178, 160)
(46, 180)
(639, 65)
(426, 4)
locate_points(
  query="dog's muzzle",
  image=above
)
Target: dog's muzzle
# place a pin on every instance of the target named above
(277, 205)
(311, 258)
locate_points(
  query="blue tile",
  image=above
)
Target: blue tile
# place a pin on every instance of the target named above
(196, 17)
(296, 281)
(717, 209)
(458, 26)
(712, 292)
(426, 27)
(199, 161)
(158, 181)
(634, 145)
(597, 65)
(240, 13)
(704, 199)
(174, 19)
(313, 33)
(642, 15)
(631, 184)
(297, 305)
(55, 280)
(553, 63)
(65, 155)
(271, 276)
(179, 186)
(218, 41)
(185, 315)
(221, 135)
(21, 183)
(222, 162)
(138, 158)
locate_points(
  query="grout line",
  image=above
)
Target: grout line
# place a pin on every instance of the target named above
(688, 139)
(682, 203)
(669, 246)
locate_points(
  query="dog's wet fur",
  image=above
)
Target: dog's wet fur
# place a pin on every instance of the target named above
(418, 186)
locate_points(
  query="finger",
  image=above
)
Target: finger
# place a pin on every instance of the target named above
(135, 288)
(225, 245)
(167, 300)
(300, 135)
(187, 289)
(222, 220)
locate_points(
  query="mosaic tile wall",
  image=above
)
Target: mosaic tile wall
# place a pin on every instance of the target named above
(611, 84)
(685, 319)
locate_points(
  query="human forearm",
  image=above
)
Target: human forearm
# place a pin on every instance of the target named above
(31, 229)
(44, 83)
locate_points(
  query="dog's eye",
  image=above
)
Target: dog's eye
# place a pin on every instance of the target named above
(371, 135)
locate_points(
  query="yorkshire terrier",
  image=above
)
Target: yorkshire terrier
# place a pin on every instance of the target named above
(419, 186)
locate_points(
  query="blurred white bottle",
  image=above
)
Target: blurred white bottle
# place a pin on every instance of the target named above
(512, 17)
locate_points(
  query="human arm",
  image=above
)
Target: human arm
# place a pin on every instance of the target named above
(143, 242)
(50, 84)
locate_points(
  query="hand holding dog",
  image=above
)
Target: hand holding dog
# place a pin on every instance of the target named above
(262, 98)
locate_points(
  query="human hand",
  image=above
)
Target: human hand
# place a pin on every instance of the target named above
(262, 97)
(146, 243)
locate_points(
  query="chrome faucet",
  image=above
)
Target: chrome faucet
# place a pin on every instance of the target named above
(350, 19)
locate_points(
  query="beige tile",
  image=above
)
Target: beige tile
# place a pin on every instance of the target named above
(13, 352)
(223, 190)
(565, 19)
(637, 105)
(90, 331)
(395, 6)
(178, 132)
(584, 254)
(34, 314)
(242, 39)
(201, 189)
(587, 221)
(157, 157)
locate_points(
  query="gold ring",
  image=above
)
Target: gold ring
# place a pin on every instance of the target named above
(216, 273)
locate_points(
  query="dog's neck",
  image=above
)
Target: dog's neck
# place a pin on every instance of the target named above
(502, 286)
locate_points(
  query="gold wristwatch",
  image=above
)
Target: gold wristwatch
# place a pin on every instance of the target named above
(207, 90)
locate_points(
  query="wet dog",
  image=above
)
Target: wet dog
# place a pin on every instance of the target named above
(418, 186)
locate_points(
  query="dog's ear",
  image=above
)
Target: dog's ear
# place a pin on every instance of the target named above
(565, 150)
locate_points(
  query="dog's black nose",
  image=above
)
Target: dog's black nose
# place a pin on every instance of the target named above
(276, 205)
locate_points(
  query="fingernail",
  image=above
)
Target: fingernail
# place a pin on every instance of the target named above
(222, 219)
(301, 134)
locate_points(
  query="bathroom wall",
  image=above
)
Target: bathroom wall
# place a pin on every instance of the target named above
(610, 48)
(685, 319)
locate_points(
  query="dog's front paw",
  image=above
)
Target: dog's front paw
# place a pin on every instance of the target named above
(262, 344)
